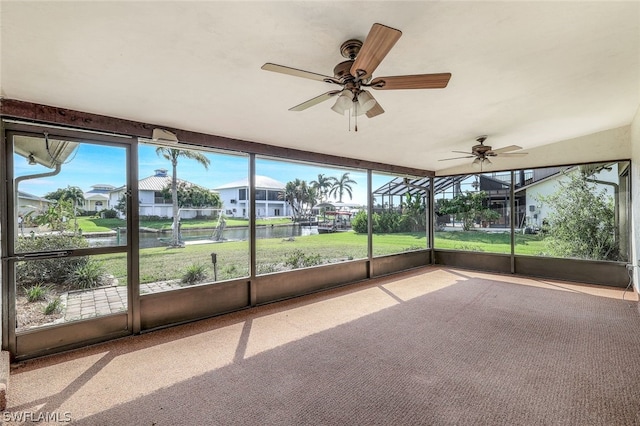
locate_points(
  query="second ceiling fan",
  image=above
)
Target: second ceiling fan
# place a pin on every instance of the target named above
(355, 75)
(481, 152)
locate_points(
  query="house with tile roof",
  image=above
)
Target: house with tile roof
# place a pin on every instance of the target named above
(269, 202)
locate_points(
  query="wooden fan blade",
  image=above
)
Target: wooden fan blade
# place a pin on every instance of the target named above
(457, 158)
(506, 149)
(419, 81)
(464, 152)
(315, 101)
(376, 110)
(378, 43)
(295, 72)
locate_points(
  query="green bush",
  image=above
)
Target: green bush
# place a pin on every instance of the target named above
(387, 222)
(266, 268)
(51, 271)
(53, 307)
(359, 222)
(109, 214)
(194, 273)
(89, 275)
(298, 259)
(36, 292)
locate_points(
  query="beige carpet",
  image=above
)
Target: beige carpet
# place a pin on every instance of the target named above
(434, 346)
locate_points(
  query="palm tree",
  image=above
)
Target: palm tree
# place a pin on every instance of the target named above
(293, 194)
(342, 185)
(322, 185)
(174, 155)
(76, 196)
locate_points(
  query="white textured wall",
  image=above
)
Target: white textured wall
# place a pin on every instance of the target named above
(635, 197)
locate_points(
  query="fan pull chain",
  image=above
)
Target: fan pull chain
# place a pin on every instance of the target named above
(355, 106)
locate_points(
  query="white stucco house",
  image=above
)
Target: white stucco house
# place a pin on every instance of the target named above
(269, 202)
(606, 179)
(152, 202)
(29, 203)
(97, 198)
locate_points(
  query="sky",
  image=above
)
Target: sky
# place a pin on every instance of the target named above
(92, 164)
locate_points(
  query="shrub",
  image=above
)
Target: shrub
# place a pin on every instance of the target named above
(53, 307)
(386, 222)
(194, 273)
(36, 292)
(109, 214)
(359, 222)
(298, 259)
(53, 271)
(266, 268)
(89, 275)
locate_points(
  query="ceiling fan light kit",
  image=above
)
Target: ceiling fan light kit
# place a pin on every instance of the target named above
(355, 74)
(343, 103)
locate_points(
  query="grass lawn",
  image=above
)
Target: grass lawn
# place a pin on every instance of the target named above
(489, 242)
(272, 254)
(277, 254)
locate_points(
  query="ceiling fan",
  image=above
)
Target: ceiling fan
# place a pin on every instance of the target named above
(482, 152)
(355, 75)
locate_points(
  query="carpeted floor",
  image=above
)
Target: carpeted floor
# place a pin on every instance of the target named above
(435, 346)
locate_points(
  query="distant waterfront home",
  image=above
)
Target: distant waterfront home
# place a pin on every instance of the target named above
(151, 199)
(28, 203)
(97, 198)
(269, 202)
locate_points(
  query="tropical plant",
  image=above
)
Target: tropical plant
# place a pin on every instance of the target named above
(88, 275)
(190, 195)
(174, 155)
(581, 222)
(70, 193)
(468, 207)
(414, 212)
(341, 185)
(359, 222)
(56, 215)
(53, 307)
(194, 273)
(36, 292)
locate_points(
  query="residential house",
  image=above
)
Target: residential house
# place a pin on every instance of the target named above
(29, 203)
(269, 200)
(97, 198)
(151, 200)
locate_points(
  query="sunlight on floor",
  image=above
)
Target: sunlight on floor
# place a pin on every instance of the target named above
(277, 329)
(67, 384)
(100, 376)
(419, 285)
(594, 290)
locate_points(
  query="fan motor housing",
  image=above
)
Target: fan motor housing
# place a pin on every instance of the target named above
(343, 69)
(350, 48)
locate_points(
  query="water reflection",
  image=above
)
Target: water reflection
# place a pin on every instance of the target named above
(151, 239)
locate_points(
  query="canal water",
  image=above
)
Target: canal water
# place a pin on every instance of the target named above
(153, 239)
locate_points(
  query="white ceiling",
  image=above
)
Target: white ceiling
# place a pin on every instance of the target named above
(524, 73)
